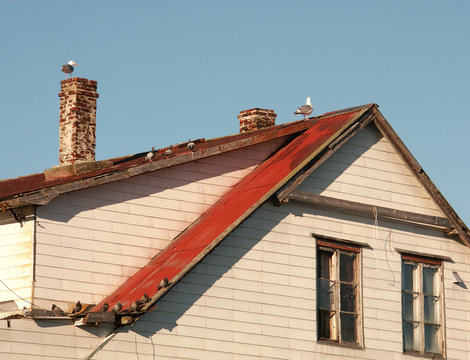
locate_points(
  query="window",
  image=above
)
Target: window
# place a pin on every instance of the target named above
(422, 305)
(338, 293)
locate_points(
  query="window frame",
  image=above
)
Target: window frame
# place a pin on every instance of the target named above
(335, 330)
(421, 263)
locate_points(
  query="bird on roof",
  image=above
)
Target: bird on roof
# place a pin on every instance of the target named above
(26, 312)
(57, 311)
(68, 68)
(305, 110)
(150, 155)
(117, 307)
(77, 307)
(163, 284)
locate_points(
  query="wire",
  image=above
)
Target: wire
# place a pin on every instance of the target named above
(22, 298)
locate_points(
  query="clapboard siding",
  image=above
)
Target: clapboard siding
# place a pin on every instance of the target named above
(367, 169)
(102, 235)
(16, 260)
(254, 295)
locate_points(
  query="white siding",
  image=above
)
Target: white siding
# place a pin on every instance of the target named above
(16, 258)
(90, 241)
(367, 169)
(254, 295)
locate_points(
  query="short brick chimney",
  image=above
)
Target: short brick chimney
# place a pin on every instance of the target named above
(255, 119)
(77, 124)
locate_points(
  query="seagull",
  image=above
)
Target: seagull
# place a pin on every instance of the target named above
(305, 110)
(77, 307)
(57, 311)
(150, 155)
(68, 68)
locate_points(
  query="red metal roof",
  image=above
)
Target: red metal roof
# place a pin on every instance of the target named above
(206, 232)
(15, 192)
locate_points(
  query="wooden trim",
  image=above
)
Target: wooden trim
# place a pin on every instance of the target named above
(346, 206)
(456, 223)
(341, 241)
(336, 245)
(408, 255)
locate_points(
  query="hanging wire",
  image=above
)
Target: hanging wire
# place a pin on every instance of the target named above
(22, 298)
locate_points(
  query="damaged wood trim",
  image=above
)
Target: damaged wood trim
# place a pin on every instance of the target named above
(346, 206)
(335, 145)
(456, 223)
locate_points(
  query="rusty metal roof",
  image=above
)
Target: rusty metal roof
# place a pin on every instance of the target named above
(205, 233)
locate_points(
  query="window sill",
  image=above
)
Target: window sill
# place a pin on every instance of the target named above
(344, 345)
(425, 356)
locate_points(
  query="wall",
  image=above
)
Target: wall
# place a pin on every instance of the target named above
(90, 241)
(16, 259)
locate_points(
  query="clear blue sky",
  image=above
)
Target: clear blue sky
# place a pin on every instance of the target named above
(168, 71)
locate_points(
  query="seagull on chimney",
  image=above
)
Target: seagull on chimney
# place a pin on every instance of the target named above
(68, 68)
(305, 110)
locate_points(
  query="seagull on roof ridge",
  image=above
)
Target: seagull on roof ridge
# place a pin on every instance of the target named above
(68, 68)
(305, 110)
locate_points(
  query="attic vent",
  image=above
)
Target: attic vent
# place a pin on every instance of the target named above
(255, 119)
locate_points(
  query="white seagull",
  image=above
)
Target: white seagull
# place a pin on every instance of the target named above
(68, 68)
(305, 110)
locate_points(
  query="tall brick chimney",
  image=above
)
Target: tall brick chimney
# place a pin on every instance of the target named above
(255, 119)
(77, 124)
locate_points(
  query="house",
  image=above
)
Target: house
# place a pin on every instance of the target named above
(322, 237)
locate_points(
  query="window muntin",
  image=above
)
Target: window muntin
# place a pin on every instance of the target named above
(422, 305)
(338, 293)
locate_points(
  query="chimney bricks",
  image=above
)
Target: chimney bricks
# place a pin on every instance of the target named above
(77, 120)
(255, 119)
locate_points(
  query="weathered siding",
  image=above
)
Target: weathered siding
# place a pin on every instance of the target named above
(16, 259)
(90, 241)
(367, 169)
(254, 295)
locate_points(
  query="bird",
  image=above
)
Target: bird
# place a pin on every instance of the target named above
(168, 152)
(26, 312)
(57, 311)
(136, 305)
(150, 155)
(117, 307)
(305, 110)
(77, 307)
(105, 307)
(144, 299)
(163, 284)
(68, 68)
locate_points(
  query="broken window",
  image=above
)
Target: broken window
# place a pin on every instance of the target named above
(338, 293)
(422, 305)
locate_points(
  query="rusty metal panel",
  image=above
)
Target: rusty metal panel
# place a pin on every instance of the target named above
(203, 235)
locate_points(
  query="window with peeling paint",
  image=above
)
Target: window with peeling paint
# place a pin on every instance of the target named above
(422, 305)
(338, 293)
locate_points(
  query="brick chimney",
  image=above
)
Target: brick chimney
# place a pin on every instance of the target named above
(255, 119)
(77, 124)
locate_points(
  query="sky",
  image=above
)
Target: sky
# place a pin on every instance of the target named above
(169, 71)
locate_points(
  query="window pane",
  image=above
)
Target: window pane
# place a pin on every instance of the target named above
(410, 302)
(348, 297)
(408, 276)
(324, 264)
(325, 318)
(429, 278)
(431, 309)
(347, 268)
(411, 336)
(431, 339)
(326, 294)
(348, 328)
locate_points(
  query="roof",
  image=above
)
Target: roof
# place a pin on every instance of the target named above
(311, 142)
